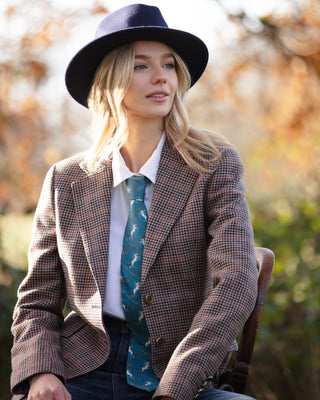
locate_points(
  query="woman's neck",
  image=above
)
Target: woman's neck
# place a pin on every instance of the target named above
(141, 142)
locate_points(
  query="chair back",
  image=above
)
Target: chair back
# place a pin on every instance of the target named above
(240, 370)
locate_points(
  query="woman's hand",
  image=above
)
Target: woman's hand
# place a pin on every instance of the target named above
(47, 387)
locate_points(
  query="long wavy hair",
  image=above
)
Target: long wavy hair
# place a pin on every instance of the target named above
(110, 84)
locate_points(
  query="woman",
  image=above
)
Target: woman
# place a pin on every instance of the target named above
(160, 325)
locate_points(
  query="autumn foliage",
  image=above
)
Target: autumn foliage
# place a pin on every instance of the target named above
(271, 77)
(263, 93)
(34, 122)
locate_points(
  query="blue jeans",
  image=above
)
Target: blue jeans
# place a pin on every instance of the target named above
(109, 381)
(216, 394)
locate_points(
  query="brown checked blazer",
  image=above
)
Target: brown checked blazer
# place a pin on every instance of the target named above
(199, 276)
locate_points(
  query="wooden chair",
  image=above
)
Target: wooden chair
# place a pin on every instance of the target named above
(235, 379)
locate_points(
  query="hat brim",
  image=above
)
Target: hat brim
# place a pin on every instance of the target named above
(82, 67)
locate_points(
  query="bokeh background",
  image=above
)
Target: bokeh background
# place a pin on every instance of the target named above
(261, 90)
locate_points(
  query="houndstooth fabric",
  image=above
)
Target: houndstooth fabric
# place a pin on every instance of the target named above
(198, 278)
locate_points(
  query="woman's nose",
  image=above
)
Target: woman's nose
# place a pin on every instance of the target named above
(159, 75)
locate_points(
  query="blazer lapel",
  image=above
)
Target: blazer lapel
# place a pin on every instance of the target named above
(175, 180)
(92, 198)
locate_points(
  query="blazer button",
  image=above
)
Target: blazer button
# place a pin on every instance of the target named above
(160, 341)
(149, 298)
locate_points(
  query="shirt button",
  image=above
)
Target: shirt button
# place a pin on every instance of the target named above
(149, 298)
(160, 341)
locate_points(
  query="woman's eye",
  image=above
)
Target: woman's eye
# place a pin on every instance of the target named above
(139, 67)
(169, 65)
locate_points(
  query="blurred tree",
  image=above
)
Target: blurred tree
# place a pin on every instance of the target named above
(33, 127)
(287, 357)
(272, 75)
(22, 114)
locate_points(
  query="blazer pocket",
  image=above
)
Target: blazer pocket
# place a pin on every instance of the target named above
(83, 348)
(72, 325)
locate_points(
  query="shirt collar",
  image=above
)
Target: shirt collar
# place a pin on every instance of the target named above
(121, 172)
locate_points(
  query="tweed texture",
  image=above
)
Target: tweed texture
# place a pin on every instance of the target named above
(198, 280)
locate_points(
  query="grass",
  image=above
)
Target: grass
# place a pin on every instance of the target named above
(15, 235)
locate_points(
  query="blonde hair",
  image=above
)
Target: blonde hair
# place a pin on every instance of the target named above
(110, 84)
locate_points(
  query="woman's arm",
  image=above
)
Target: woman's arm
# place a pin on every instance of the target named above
(38, 314)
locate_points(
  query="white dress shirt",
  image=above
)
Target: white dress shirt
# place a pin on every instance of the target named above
(118, 220)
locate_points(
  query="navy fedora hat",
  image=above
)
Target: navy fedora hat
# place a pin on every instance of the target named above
(129, 24)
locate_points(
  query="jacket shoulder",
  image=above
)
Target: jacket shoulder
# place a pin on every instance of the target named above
(68, 170)
(231, 158)
(228, 162)
(70, 164)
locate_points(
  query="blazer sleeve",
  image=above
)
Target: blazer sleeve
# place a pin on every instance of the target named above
(38, 314)
(233, 272)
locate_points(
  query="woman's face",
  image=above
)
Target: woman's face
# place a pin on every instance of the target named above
(154, 81)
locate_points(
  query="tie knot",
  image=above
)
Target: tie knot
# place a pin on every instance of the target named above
(136, 186)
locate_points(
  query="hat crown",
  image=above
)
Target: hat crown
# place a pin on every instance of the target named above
(129, 17)
(130, 24)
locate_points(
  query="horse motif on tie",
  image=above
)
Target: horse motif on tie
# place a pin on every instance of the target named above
(139, 366)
